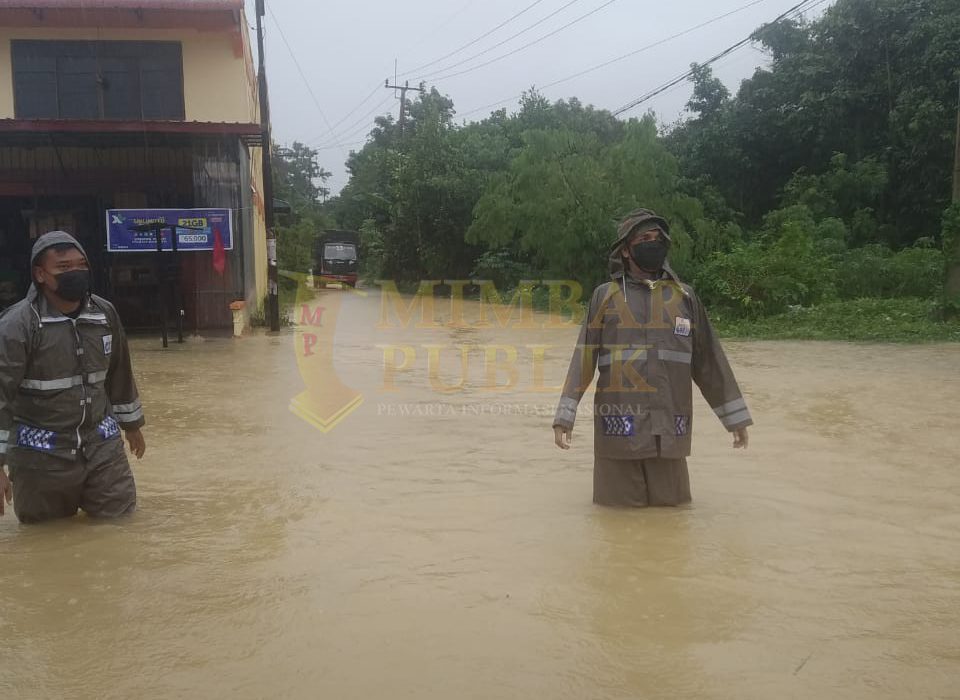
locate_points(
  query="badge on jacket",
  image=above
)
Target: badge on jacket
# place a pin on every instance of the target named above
(617, 426)
(682, 327)
(36, 438)
(107, 344)
(109, 428)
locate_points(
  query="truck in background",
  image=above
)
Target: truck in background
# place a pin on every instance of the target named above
(336, 258)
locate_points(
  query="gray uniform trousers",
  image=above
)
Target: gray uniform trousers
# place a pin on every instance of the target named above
(99, 482)
(638, 483)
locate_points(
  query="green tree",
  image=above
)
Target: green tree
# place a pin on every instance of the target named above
(301, 181)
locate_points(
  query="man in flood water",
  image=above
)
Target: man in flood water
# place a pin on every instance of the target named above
(650, 336)
(66, 393)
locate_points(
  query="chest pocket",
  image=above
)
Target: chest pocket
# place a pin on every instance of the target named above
(97, 344)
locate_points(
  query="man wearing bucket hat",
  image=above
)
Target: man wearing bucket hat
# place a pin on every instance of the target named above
(650, 338)
(66, 393)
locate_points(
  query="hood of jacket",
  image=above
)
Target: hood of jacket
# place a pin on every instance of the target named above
(640, 219)
(45, 242)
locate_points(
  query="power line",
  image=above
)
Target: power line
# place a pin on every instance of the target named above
(362, 102)
(299, 68)
(625, 56)
(349, 114)
(678, 82)
(330, 128)
(527, 46)
(471, 43)
(655, 44)
(340, 145)
(361, 122)
(505, 41)
(793, 11)
(683, 77)
(443, 24)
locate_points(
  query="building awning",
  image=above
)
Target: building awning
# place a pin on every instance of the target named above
(199, 5)
(58, 134)
(200, 15)
(99, 126)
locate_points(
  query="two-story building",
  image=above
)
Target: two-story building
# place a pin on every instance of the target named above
(132, 104)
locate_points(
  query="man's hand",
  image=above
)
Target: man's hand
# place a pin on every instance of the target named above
(740, 439)
(562, 436)
(6, 490)
(138, 445)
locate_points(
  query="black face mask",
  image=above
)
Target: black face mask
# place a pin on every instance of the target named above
(650, 255)
(73, 285)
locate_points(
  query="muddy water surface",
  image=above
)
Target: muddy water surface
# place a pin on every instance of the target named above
(435, 544)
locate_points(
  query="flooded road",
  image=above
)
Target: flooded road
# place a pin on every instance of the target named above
(434, 544)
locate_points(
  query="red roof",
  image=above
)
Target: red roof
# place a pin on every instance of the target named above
(124, 4)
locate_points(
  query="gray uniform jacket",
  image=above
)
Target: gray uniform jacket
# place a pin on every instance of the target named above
(66, 384)
(650, 340)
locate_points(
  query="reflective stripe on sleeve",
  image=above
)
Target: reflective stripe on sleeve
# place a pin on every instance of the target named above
(3, 448)
(567, 409)
(51, 384)
(131, 417)
(4, 435)
(566, 415)
(735, 418)
(126, 407)
(730, 407)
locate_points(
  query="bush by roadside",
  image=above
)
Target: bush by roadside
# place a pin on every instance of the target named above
(907, 320)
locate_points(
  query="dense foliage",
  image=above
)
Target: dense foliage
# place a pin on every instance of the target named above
(299, 181)
(824, 179)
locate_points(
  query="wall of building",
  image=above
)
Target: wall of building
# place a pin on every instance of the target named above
(259, 251)
(219, 86)
(218, 83)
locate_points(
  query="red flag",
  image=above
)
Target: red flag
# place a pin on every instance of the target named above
(219, 253)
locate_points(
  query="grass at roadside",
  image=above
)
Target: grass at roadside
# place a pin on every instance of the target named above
(865, 320)
(906, 320)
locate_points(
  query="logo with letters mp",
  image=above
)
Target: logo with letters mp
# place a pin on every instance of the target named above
(326, 400)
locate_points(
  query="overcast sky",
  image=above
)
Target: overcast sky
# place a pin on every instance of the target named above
(347, 49)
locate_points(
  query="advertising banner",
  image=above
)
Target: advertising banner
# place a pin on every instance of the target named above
(197, 229)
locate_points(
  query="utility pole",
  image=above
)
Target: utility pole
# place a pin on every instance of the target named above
(952, 283)
(956, 155)
(403, 98)
(273, 277)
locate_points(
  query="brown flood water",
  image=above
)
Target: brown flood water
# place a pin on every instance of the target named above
(429, 547)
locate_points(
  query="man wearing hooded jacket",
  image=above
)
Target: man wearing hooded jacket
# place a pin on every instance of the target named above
(66, 393)
(650, 338)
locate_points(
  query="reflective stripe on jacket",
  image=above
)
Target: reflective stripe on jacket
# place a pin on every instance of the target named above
(650, 341)
(64, 382)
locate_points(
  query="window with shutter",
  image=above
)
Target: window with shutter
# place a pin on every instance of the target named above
(123, 80)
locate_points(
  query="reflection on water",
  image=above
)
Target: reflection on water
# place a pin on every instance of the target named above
(456, 554)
